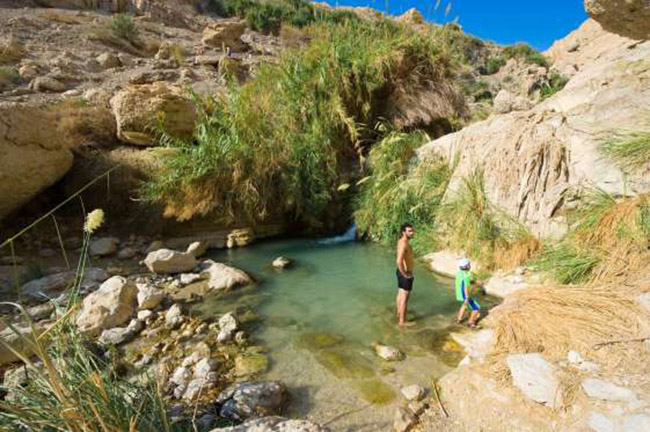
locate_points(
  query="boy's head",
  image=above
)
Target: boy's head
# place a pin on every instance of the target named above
(464, 264)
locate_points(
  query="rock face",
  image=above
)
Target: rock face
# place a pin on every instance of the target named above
(533, 161)
(274, 424)
(137, 109)
(223, 277)
(535, 377)
(248, 400)
(110, 306)
(164, 261)
(225, 34)
(628, 18)
(33, 158)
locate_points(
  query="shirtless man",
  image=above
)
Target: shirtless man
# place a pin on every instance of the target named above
(404, 273)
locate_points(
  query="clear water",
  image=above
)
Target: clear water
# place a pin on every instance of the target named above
(319, 318)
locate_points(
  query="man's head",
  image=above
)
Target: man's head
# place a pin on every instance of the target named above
(407, 230)
(464, 264)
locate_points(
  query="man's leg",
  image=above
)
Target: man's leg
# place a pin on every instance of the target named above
(397, 300)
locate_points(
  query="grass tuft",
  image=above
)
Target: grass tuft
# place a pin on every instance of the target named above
(629, 151)
(527, 54)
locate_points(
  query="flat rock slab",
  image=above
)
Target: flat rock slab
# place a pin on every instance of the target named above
(535, 377)
(275, 424)
(609, 392)
(476, 344)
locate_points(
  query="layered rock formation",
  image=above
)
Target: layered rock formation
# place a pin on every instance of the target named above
(535, 161)
(630, 18)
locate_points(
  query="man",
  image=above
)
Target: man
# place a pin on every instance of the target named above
(466, 285)
(404, 273)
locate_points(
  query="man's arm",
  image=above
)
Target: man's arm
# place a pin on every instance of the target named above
(401, 251)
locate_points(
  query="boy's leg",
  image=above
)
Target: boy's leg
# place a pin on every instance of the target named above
(461, 313)
(476, 311)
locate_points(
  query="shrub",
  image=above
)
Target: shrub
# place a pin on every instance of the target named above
(493, 65)
(8, 76)
(526, 53)
(628, 150)
(555, 83)
(122, 26)
(392, 195)
(279, 143)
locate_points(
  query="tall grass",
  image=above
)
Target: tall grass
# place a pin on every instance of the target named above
(630, 151)
(283, 142)
(527, 54)
(71, 385)
(394, 194)
(482, 230)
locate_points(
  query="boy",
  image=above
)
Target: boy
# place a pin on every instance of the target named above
(466, 285)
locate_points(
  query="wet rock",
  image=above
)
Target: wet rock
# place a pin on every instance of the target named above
(535, 377)
(403, 420)
(274, 424)
(165, 261)
(110, 306)
(239, 238)
(414, 392)
(223, 277)
(250, 364)
(174, 316)
(344, 364)
(388, 353)
(248, 400)
(41, 312)
(103, 246)
(149, 297)
(610, 392)
(281, 262)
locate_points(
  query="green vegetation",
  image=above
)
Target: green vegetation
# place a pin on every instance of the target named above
(392, 195)
(526, 53)
(485, 232)
(8, 75)
(493, 65)
(629, 151)
(478, 90)
(567, 264)
(279, 143)
(556, 82)
(122, 26)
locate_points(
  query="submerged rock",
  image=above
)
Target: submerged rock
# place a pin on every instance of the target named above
(251, 364)
(388, 353)
(248, 400)
(414, 392)
(316, 341)
(110, 306)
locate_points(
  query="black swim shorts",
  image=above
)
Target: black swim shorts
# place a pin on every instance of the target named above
(403, 282)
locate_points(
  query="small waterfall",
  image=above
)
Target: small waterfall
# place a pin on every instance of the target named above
(349, 235)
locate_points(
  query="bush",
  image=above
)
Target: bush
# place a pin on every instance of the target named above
(555, 83)
(279, 144)
(267, 17)
(526, 53)
(392, 195)
(122, 26)
(493, 65)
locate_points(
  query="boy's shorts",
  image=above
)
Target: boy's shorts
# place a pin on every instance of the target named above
(472, 303)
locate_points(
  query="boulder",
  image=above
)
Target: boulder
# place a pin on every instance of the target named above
(281, 262)
(110, 306)
(46, 84)
(33, 158)
(504, 102)
(248, 400)
(225, 34)
(240, 237)
(137, 109)
(108, 61)
(223, 277)
(627, 18)
(103, 246)
(535, 161)
(149, 297)
(227, 327)
(197, 248)
(165, 261)
(388, 353)
(19, 340)
(535, 377)
(274, 424)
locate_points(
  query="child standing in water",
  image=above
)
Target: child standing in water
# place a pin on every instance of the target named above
(466, 285)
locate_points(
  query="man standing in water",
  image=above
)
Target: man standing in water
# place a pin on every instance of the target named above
(404, 273)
